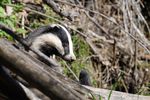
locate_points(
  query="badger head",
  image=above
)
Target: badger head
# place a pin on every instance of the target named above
(56, 41)
(62, 33)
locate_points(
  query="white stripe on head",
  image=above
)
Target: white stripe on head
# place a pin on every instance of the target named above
(71, 54)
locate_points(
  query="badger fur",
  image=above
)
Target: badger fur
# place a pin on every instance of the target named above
(52, 40)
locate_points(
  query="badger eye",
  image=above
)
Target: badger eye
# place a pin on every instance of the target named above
(65, 45)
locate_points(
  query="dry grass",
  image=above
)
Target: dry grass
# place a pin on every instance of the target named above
(114, 29)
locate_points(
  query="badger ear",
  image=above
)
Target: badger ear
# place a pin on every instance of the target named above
(55, 26)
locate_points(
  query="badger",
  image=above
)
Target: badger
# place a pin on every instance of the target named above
(52, 40)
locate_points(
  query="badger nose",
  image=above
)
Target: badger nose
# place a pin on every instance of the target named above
(73, 58)
(70, 57)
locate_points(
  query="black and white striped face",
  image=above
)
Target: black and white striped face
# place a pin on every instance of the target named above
(57, 41)
(66, 40)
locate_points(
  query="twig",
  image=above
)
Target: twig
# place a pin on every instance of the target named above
(82, 34)
(135, 55)
(114, 53)
(56, 9)
(40, 13)
(98, 25)
(124, 85)
(28, 28)
(71, 71)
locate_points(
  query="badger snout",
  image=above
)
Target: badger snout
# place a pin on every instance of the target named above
(70, 57)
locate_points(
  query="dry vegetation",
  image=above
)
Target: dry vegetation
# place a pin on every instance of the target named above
(115, 32)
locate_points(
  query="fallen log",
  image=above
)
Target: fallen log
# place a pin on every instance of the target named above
(34, 74)
(116, 95)
(50, 82)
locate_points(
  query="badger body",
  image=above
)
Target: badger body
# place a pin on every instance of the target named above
(52, 40)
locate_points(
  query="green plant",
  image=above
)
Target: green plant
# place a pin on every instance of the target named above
(11, 20)
(100, 98)
(93, 97)
(5, 1)
(82, 51)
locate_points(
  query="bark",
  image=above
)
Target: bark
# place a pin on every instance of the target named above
(9, 87)
(116, 95)
(34, 74)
